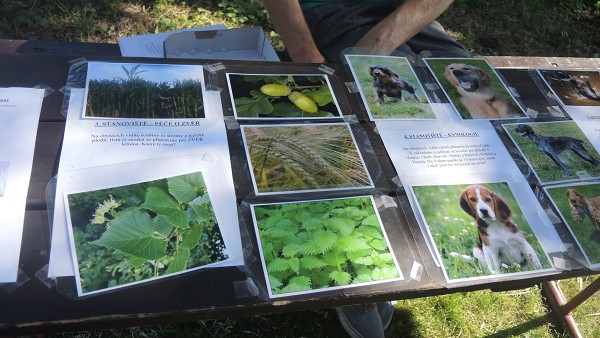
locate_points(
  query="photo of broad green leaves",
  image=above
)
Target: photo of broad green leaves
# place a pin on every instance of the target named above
(272, 96)
(148, 91)
(143, 231)
(453, 231)
(390, 108)
(287, 158)
(316, 245)
(582, 228)
(543, 166)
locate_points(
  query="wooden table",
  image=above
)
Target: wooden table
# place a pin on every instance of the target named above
(36, 307)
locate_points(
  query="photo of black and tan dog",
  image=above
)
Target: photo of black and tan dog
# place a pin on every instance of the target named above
(500, 240)
(387, 83)
(585, 207)
(474, 88)
(390, 88)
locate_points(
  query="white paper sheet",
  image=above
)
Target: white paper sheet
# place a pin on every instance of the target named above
(19, 115)
(151, 45)
(93, 142)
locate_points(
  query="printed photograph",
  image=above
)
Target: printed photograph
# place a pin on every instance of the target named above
(144, 91)
(556, 151)
(479, 230)
(265, 96)
(474, 88)
(573, 87)
(389, 87)
(3, 176)
(579, 207)
(322, 245)
(302, 157)
(135, 233)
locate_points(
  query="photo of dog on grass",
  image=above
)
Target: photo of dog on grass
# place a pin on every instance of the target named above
(389, 87)
(474, 89)
(556, 151)
(579, 206)
(479, 230)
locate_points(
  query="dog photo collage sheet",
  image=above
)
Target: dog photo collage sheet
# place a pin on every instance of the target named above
(144, 188)
(293, 145)
(570, 149)
(479, 217)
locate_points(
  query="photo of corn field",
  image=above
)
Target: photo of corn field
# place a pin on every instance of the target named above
(454, 232)
(144, 91)
(297, 158)
(311, 246)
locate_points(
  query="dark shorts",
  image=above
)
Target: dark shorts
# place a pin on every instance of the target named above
(339, 26)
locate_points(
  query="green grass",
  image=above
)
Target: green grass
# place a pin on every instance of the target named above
(503, 27)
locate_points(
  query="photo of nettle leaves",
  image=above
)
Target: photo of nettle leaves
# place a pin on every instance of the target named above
(282, 96)
(319, 245)
(133, 233)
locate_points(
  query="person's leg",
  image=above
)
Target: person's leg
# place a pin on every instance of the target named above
(337, 27)
(362, 321)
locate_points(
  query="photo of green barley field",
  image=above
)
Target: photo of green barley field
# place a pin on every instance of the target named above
(144, 91)
(454, 232)
(294, 158)
(316, 245)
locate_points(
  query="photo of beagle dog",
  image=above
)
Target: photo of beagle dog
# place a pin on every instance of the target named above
(387, 83)
(476, 95)
(500, 239)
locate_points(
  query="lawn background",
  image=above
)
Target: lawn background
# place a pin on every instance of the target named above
(502, 27)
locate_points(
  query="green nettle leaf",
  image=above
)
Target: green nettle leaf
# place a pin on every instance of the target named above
(340, 277)
(324, 241)
(372, 232)
(353, 243)
(364, 260)
(132, 233)
(302, 216)
(183, 191)
(379, 244)
(321, 96)
(160, 202)
(180, 261)
(275, 283)
(298, 283)
(371, 220)
(313, 224)
(252, 107)
(356, 255)
(310, 263)
(278, 264)
(291, 250)
(278, 233)
(294, 263)
(344, 226)
(362, 278)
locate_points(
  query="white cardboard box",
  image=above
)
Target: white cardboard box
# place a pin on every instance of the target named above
(249, 43)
